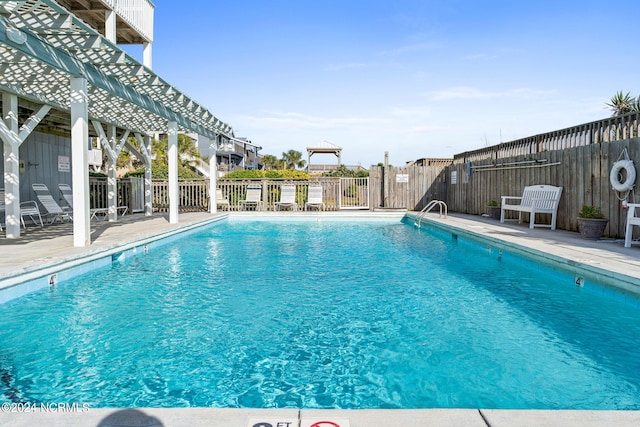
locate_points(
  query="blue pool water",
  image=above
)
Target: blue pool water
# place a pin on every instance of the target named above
(322, 315)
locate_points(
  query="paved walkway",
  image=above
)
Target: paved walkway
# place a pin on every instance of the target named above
(44, 248)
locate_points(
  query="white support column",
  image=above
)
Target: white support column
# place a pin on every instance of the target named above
(11, 166)
(173, 172)
(110, 25)
(147, 55)
(213, 175)
(112, 177)
(148, 184)
(79, 165)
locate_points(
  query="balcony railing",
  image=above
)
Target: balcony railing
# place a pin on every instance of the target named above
(137, 13)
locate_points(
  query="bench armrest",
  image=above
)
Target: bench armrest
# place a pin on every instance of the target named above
(505, 198)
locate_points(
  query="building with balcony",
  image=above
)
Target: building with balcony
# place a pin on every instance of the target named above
(64, 82)
(237, 154)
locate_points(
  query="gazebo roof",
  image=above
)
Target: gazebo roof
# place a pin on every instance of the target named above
(324, 147)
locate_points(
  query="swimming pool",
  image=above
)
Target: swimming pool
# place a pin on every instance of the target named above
(322, 315)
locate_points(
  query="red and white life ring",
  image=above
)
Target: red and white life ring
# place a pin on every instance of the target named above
(629, 174)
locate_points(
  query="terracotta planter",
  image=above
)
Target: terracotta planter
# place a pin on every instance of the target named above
(592, 228)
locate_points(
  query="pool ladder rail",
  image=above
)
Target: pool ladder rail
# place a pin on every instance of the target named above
(432, 204)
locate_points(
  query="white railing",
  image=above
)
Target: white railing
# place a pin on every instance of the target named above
(227, 147)
(354, 193)
(197, 163)
(137, 13)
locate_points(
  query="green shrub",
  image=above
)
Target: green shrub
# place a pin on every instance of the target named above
(342, 171)
(589, 211)
(161, 171)
(269, 174)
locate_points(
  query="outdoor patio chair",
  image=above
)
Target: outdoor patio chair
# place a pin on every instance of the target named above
(287, 198)
(253, 199)
(28, 208)
(632, 220)
(97, 213)
(221, 201)
(53, 210)
(315, 198)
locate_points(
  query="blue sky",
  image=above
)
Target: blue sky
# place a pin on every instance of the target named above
(416, 78)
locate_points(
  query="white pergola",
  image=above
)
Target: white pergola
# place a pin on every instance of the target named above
(59, 74)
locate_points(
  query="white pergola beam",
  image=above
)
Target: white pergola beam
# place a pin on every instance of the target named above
(145, 155)
(11, 146)
(32, 122)
(80, 166)
(110, 25)
(112, 173)
(173, 171)
(213, 175)
(148, 183)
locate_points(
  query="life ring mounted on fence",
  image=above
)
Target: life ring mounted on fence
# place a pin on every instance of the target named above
(629, 175)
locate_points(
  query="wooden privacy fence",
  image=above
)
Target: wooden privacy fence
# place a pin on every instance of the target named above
(607, 130)
(582, 171)
(410, 187)
(467, 187)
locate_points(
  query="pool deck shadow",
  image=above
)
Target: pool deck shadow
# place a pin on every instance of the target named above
(50, 245)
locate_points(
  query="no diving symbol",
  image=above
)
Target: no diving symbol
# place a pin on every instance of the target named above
(281, 423)
(278, 424)
(273, 423)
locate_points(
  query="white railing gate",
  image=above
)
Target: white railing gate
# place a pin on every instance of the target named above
(354, 193)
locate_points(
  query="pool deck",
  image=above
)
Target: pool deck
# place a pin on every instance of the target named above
(40, 249)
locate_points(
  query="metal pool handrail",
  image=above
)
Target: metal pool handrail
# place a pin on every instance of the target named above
(432, 204)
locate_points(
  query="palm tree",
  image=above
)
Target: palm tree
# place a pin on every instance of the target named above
(621, 104)
(293, 159)
(270, 161)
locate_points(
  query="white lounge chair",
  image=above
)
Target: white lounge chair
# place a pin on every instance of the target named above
(52, 208)
(315, 198)
(97, 213)
(221, 201)
(287, 198)
(28, 208)
(253, 199)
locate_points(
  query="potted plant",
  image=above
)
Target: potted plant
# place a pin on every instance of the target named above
(591, 222)
(493, 209)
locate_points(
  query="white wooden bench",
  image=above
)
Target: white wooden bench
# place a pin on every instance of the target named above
(536, 199)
